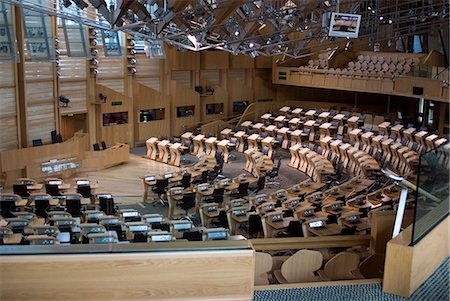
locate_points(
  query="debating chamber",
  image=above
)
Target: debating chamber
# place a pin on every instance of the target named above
(267, 150)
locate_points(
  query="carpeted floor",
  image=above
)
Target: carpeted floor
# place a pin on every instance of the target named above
(436, 288)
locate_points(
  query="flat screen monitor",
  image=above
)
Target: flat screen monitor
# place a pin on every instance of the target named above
(138, 228)
(182, 226)
(168, 175)
(83, 182)
(130, 213)
(55, 182)
(150, 179)
(344, 25)
(161, 237)
(316, 224)
(152, 218)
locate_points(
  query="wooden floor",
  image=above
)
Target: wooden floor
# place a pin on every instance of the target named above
(126, 179)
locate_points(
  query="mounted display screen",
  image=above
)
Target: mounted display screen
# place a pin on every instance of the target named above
(115, 118)
(152, 114)
(344, 25)
(185, 111)
(214, 108)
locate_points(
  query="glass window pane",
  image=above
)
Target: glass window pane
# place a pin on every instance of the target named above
(38, 35)
(6, 33)
(111, 43)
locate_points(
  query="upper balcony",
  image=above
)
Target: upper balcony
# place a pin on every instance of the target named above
(413, 75)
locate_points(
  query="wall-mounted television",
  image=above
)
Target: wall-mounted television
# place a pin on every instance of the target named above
(344, 25)
(214, 108)
(152, 114)
(185, 111)
(115, 118)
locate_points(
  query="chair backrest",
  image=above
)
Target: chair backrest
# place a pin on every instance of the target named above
(188, 201)
(73, 205)
(193, 235)
(21, 190)
(263, 265)
(243, 188)
(104, 145)
(218, 194)
(7, 207)
(107, 205)
(84, 190)
(186, 180)
(301, 266)
(96, 147)
(340, 267)
(161, 185)
(52, 190)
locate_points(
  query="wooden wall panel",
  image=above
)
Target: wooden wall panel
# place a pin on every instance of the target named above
(262, 84)
(183, 96)
(210, 77)
(110, 67)
(7, 74)
(237, 74)
(76, 92)
(73, 68)
(214, 60)
(41, 117)
(237, 91)
(151, 82)
(177, 60)
(147, 67)
(147, 98)
(111, 134)
(114, 84)
(8, 119)
(35, 71)
(220, 96)
(241, 61)
(183, 77)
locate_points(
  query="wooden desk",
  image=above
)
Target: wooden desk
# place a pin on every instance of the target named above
(270, 129)
(35, 186)
(328, 230)
(226, 133)
(295, 159)
(258, 127)
(362, 225)
(240, 137)
(266, 116)
(296, 112)
(285, 109)
(13, 239)
(152, 147)
(198, 144)
(310, 114)
(210, 144)
(252, 142)
(244, 125)
(112, 156)
(284, 132)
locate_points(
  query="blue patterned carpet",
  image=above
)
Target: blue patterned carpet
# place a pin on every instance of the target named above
(436, 288)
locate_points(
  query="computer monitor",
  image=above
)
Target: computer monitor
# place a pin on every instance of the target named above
(150, 179)
(41, 240)
(181, 225)
(168, 175)
(160, 236)
(276, 217)
(137, 227)
(152, 218)
(316, 224)
(239, 212)
(55, 182)
(216, 234)
(83, 182)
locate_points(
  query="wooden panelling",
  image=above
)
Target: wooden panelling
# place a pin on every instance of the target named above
(110, 67)
(182, 96)
(76, 92)
(151, 82)
(147, 98)
(407, 267)
(38, 71)
(169, 275)
(178, 60)
(237, 75)
(237, 91)
(72, 68)
(8, 119)
(263, 62)
(241, 61)
(147, 67)
(114, 84)
(262, 85)
(220, 96)
(210, 77)
(70, 124)
(7, 74)
(214, 60)
(183, 77)
(40, 111)
(112, 134)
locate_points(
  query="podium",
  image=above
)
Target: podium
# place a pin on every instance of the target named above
(354, 134)
(409, 136)
(284, 133)
(285, 109)
(258, 127)
(297, 112)
(324, 130)
(385, 146)
(240, 138)
(252, 141)
(383, 127)
(310, 114)
(340, 119)
(343, 147)
(366, 140)
(420, 139)
(352, 123)
(334, 146)
(268, 142)
(397, 131)
(429, 141)
(249, 160)
(198, 144)
(223, 146)
(279, 121)
(270, 130)
(303, 162)
(175, 154)
(245, 125)
(310, 125)
(211, 146)
(226, 133)
(163, 148)
(325, 144)
(186, 138)
(296, 137)
(295, 159)
(152, 147)
(324, 116)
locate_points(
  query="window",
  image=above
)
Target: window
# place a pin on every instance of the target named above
(38, 35)
(240, 106)
(155, 48)
(214, 108)
(151, 115)
(185, 111)
(115, 118)
(111, 43)
(6, 46)
(74, 35)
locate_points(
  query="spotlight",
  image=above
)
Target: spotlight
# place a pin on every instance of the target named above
(236, 33)
(251, 44)
(390, 21)
(381, 18)
(132, 70)
(94, 52)
(94, 72)
(132, 61)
